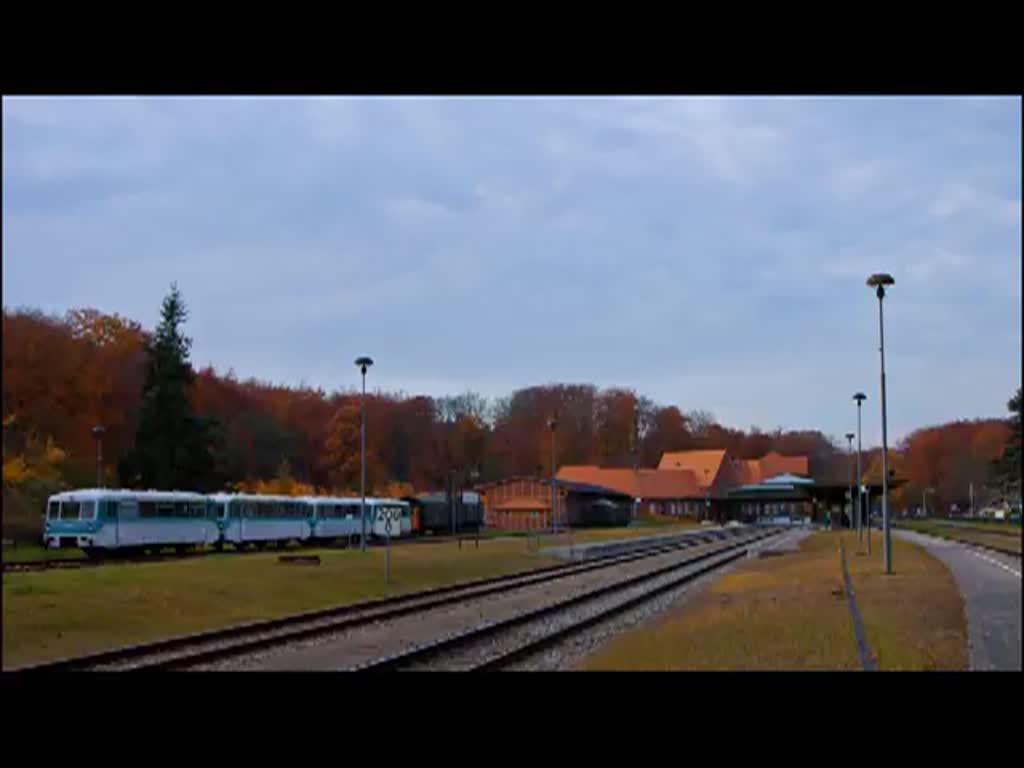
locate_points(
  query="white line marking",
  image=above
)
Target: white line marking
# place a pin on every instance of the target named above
(996, 562)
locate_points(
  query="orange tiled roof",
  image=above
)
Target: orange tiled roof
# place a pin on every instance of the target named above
(643, 484)
(749, 471)
(703, 464)
(773, 464)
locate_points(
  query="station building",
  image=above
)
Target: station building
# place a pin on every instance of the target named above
(701, 484)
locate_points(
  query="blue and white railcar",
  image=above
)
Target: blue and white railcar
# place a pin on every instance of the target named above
(100, 519)
(334, 517)
(249, 518)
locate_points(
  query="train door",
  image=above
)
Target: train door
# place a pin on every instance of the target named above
(126, 522)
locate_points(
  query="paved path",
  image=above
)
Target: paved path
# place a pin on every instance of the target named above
(991, 588)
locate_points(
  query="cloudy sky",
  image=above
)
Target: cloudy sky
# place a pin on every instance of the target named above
(710, 253)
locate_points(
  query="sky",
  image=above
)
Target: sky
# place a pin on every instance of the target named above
(710, 253)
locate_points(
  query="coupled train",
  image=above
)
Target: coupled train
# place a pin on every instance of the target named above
(99, 521)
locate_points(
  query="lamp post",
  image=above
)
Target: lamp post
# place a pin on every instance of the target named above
(552, 423)
(860, 397)
(363, 363)
(849, 452)
(878, 282)
(98, 432)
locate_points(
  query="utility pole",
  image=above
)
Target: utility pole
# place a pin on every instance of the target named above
(879, 282)
(363, 363)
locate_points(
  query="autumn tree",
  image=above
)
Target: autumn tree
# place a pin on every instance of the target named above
(173, 446)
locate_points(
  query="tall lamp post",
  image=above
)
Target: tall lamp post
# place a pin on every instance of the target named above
(849, 453)
(860, 397)
(363, 363)
(552, 423)
(878, 282)
(98, 432)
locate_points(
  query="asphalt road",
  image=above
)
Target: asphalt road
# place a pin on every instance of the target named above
(991, 588)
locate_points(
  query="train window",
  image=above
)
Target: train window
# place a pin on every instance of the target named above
(165, 509)
(53, 510)
(222, 510)
(196, 509)
(128, 510)
(147, 509)
(87, 510)
(69, 510)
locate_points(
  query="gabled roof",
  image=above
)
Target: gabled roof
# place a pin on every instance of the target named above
(640, 484)
(752, 471)
(703, 464)
(776, 464)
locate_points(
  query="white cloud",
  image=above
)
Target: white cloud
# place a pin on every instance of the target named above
(937, 262)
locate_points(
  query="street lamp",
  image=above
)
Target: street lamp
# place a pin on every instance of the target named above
(98, 432)
(552, 424)
(849, 452)
(860, 397)
(363, 363)
(879, 282)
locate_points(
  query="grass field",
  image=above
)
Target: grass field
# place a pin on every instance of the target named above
(23, 552)
(50, 614)
(914, 617)
(789, 613)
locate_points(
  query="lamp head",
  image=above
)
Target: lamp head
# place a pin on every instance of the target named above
(363, 363)
(98, 430)
(860, 397)
(850, 435)
(879, 281)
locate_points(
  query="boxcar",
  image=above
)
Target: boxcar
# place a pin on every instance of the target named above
(435, 512)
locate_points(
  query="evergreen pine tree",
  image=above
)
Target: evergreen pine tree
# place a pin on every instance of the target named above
(173, 446)
(1007, 468)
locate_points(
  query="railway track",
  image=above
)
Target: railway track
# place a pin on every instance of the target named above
(989, 547)
(981, 530)
(500, 644)
(969, 543)
(114, 559)
(207, 647)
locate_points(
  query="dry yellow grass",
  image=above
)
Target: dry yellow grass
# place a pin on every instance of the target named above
(914, 617)
(50, 614)
(790, 613)
(779, 613)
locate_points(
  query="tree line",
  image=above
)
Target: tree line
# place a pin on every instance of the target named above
(170, 426)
